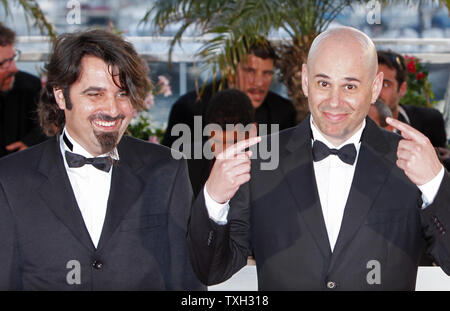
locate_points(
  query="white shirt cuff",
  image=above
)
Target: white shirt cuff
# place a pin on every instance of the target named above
(216, 211)
(431, 188)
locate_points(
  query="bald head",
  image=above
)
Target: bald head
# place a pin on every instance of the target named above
(341, 81)
(346, 38)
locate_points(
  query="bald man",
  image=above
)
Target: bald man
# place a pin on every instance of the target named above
(343, 210)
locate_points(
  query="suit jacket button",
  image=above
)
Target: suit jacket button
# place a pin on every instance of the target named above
(97, 264)
(331, 285)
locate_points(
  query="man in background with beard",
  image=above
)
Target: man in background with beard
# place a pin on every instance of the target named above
(100, 212)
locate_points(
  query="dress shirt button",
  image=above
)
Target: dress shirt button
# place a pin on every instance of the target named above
(331, 284)
(97, 264)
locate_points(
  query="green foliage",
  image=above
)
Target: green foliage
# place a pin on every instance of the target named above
(234, 25)
(32, 11)
(419, 91)
(141, 128)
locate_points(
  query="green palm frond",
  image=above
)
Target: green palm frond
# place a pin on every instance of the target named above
(34, 12)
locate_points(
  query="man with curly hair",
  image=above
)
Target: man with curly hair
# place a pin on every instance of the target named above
(101, 211)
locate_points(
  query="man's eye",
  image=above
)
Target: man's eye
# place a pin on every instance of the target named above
(323, 83)
(350, 87)
(385, 84)
(93, 94)
(122, 94)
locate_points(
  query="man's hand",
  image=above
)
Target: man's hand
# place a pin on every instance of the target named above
(231, 169)
(416, 155)
(18, 145)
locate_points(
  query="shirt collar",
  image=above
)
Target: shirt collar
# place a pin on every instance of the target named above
(78, 149)
(354, 139)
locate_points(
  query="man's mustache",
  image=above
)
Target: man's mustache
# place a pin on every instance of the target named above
(105, 117)
(10, 75)
(256, 90)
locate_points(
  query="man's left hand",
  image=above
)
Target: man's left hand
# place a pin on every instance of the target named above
(416, 155)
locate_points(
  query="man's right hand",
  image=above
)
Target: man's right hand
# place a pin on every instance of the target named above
(231, 169)
(18, 145)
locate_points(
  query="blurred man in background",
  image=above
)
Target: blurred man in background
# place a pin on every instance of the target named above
(19, 95)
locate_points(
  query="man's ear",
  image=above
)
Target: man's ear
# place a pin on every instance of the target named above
(305, 79)
(377, 86)
(403, 88)
(59, 97)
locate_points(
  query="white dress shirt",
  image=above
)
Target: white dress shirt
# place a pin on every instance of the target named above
(91, 188)
(334, 180)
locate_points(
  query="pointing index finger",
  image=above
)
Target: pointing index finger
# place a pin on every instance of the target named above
(408, 132)
(240, 146)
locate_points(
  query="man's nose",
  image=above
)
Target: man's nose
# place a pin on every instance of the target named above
(112, 106)
(335, 97)
(13, 67)
(258, 79)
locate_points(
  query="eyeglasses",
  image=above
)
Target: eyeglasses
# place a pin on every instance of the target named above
(7, 62)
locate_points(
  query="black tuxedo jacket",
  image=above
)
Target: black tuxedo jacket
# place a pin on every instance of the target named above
(278, 215)
(143, 241)
(199, 170)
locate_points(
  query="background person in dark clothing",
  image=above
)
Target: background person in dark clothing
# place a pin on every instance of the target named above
(19, 95)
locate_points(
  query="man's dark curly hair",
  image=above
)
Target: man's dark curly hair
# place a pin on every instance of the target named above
(394, 61)
(64, 68)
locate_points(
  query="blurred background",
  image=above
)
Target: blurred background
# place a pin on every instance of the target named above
(420, 29)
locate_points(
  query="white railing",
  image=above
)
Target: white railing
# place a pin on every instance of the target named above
(36, 48)
(428, 279)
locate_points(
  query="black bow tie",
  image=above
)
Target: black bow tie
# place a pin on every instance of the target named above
(347, 154)
(101, 163)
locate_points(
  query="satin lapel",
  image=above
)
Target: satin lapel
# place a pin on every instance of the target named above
(58, 195)
(371, 172)
(126, 188)
(299, 174)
